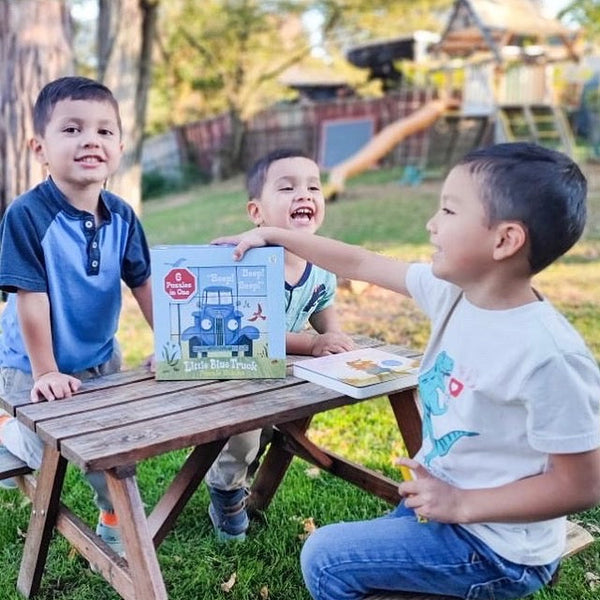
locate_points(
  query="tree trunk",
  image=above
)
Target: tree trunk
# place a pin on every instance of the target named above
(126, 30)
(35, 48)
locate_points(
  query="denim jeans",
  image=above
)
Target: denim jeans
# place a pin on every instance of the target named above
(347, 561)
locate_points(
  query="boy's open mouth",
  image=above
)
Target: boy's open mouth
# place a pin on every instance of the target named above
(89, 158)
(304, 213)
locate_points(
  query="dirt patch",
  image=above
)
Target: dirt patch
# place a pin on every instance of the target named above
(377, 312)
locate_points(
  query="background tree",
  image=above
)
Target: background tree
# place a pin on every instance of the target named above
(125, 36)
(587, 14)
(35, 47)
(223, 56)
(227, 55)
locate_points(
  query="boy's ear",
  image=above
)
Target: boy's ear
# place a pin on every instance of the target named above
(37, 148)
(511, 236)
(254, 209)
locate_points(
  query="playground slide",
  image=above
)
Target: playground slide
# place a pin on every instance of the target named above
(381, 144)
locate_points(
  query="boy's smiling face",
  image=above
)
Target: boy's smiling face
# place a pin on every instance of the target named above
(81, 145)
(292, 196)
(463, 241)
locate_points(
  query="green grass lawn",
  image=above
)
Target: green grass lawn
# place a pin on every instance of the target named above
(380, 214)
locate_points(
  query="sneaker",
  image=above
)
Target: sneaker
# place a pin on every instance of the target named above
(6, 462)
(108, 530)
(227, 511)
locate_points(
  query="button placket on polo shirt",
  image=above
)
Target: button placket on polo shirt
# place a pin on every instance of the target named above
(93, 248)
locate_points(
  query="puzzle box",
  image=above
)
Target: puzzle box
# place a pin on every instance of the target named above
(216, 318)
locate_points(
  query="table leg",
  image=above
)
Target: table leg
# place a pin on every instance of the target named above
(145, 571)
(186, 482)
(371, 481)
(45, 507)
(272, 470)
(405, 405)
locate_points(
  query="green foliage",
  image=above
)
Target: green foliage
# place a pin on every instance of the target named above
(221, 56)
(586, 13)
(156, 184)
(227, 55)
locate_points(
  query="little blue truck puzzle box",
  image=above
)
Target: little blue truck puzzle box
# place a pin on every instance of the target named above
(216, 318)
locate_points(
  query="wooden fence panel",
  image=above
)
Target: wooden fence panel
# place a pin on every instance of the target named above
(299, 126)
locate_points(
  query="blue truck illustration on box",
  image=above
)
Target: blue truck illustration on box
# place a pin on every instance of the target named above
(216, 318)
(218, 325)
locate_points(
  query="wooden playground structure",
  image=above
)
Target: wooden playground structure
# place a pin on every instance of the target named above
(496, 61)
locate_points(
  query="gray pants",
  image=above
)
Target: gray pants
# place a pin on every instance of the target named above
(230, 469)
(25, 444)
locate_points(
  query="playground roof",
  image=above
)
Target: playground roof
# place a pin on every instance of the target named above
(489, 25)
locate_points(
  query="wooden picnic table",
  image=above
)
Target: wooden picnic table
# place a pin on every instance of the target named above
(115, 422)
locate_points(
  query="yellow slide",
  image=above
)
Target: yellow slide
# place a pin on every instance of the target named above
(381, 144)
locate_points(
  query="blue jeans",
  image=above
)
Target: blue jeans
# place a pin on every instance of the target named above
(347, 561)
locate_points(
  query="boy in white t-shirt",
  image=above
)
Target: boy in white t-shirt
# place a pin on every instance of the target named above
(509, 391)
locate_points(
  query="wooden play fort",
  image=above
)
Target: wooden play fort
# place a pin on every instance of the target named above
(497, 63)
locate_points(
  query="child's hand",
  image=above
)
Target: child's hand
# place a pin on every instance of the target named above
(429, 496)
(150, 363)
(331, 343)
(243, 241)
(54, 386)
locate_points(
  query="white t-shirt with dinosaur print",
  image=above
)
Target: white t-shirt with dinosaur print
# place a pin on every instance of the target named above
(500, 391)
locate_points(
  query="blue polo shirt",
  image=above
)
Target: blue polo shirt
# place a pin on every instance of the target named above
(48, 245)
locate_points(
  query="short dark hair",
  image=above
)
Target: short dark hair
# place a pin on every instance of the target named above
(541, 188)
(257, 174)
(69, 88)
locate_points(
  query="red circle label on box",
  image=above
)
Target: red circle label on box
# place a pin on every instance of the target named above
(180, 284)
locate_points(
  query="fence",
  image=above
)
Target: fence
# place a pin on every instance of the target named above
(328, 131)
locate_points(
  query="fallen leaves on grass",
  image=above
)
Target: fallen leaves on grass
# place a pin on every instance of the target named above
(227, 586)
(593, 580)
(313, 472)
(309, 527)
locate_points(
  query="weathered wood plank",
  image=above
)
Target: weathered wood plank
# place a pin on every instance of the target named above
(10, 402)
(139, 548)
(578, 539)
(131, 443)
(371, 481)
(186, 482)
(272, 469)
(41, 523)
(114, 569)
(169, 403)
(83, 402)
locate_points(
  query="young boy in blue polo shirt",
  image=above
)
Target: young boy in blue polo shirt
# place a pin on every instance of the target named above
(65, 245)
(284, 190)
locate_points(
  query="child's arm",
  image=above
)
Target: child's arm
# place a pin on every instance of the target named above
(143, 296)
(571, 484)
(33, 309)
(346, 260)
(328, 339)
